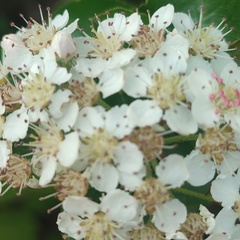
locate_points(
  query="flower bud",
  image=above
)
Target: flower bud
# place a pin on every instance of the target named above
(63, 45)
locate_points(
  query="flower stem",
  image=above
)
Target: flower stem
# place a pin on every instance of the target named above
(193, 194)
(103, 104)
(180, 138)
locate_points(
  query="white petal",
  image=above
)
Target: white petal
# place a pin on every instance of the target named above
(121, 58)
(168, 216)
(172, 170)
(111, 81)
(60, 20)
(201, 83)
(145, 112)
(117, 122)
(131, 27)
(88, 121)
(81, 206)
(230, 73)
(57, 100)
(69, 117)
(225, 190)
(204, 112)
(104, 177)
(182, 22)
(4, 154)
(225, 221)
(91, 67)
(137, 79)
(128, 158)
(70, 224)
(200, 167)
(230, 163)
(38, 115)
(162, 18)
(125, 206)
(68, 149)
(180, 120)
(16, 125)
(48, 170)
(131, 181)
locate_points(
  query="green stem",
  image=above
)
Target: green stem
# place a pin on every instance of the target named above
(193, 194)
(103, 104)
(180, 138)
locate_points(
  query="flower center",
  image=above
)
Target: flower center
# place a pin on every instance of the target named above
(102, 46)
(206, 41)
(151, 193)
(16, 174)
(166, 91)
(147, 42)
(99, 227)
(70, 183)
(227, 99)
(11, 95)
(37, 92)
(100, 146)
(85, 93)
(38, 36)
(216, 142)
(146, 233)
(47, 141)
(236, 207)
(194, 227)
(149, 141)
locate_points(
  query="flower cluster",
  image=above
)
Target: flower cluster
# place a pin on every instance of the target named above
(98, 118)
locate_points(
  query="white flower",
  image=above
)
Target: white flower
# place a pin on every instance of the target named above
(168, 213)
(216, 96)
(52, 150)
(106, 52)
(20, 48)
(150, 37)
(99, 221)
(161, 79)
(106, 157)
(37, 87)
(205, 41)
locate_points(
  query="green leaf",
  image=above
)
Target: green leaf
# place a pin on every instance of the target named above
(86, 9)
(214, 12)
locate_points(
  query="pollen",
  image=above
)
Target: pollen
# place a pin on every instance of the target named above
(147, 42)
(146, 233)
(149, 141)
(85, 92)
(99, 227)
(194, 227)
(37, 92)
(167, 91)
(227, 98)
(152, 192)
(47, 140)
(216, 142)
(16, 174)
(70, 183)
(99, 146)
(38, 36)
